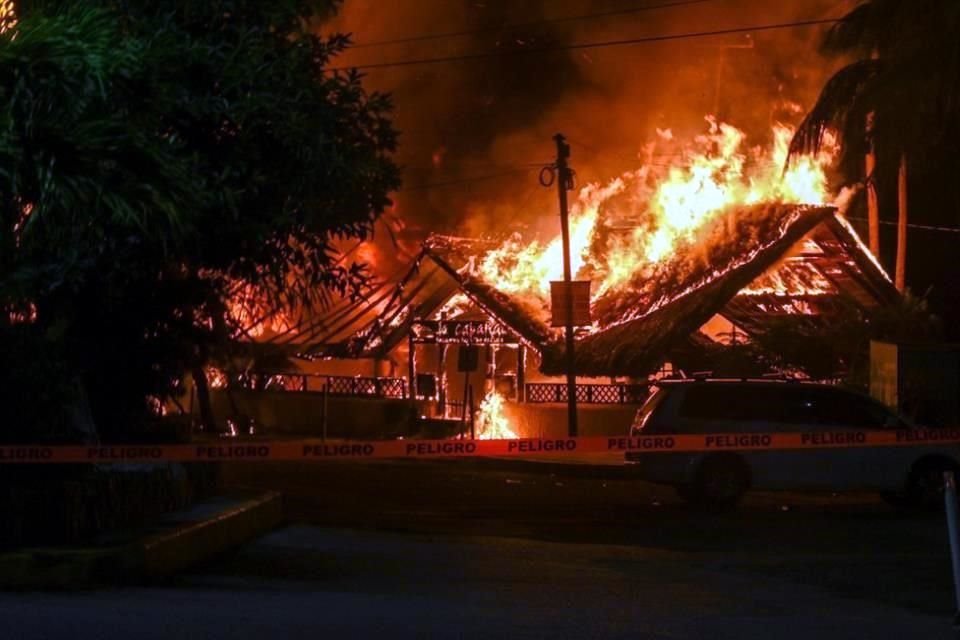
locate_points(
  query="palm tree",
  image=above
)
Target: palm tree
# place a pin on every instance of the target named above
(898, 98)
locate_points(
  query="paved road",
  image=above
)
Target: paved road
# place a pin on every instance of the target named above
(491, 550)
(309, 582)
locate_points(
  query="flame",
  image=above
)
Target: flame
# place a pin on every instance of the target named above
(664, 209)
(25, 313)
(8, 16)
(492, 424)
(216, 378)
(791, 279)
(252, 313)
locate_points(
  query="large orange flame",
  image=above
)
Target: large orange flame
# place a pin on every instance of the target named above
(665, 208)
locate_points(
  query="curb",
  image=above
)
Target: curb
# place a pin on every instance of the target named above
(552, 466)
(168, 553)
(153, 556)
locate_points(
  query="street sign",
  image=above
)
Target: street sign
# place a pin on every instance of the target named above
(580, 290)
(468, 357)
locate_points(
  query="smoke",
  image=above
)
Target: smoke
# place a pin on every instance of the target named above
(474, 132)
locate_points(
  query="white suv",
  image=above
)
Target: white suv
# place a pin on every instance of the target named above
(905, 475)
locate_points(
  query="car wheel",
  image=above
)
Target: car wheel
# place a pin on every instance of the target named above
(925, 484)
(721, 481)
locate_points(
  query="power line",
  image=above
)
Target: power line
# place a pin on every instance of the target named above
(459, 166)
(532, 23)
(589, 45)
(924, 227)
(450, 183)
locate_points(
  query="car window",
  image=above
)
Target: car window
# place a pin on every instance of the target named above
(835, 408)
(740, 403)
(643, 413)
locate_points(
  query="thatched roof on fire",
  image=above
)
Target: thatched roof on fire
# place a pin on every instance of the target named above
(374, 326)
(637, 337)
(636, 324)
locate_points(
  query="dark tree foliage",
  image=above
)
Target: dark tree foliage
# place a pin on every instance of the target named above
(905, 68)
(843, 351)
(155, 158)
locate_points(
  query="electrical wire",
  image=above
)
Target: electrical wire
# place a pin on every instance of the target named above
(451, 183)
(522, 25)
(459, 166)
(911, 225)
(587, 45)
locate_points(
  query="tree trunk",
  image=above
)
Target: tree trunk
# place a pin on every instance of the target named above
(900, 277)
(873, 207)
(207, 421)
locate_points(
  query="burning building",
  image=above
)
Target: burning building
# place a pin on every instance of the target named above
(683, 259)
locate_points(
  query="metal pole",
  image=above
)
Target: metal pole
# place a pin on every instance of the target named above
(950, 500)
(564, 182)
(466, 390)
(468, 406)
(326, 393)
(442, 381)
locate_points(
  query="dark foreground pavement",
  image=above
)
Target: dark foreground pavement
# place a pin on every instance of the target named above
(308, 582)
(485, 549)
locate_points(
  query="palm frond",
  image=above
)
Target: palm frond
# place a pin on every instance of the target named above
(855, 32)
(841, 97)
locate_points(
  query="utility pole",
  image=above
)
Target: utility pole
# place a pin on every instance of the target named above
(721, 50)
(900, 273)
(565, 182)
(873, 205)
(870, 179)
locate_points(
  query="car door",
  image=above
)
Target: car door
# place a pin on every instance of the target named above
(840, 416)
(791, 408)
(742, 408)
(886, 467)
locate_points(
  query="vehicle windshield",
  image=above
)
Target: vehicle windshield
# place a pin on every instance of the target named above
(643, 413)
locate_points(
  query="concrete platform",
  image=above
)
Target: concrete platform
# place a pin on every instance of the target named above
(176, 542)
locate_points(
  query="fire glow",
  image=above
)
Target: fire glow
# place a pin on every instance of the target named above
(492, 424)
(664, 209)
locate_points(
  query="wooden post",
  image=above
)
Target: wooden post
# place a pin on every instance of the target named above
(491, 369)
(873, 206)
(468, 407)
(521, 373)
(442, 380)
(466, 389)
(411, 368)
(207, 420)
(900, 277)
(564, 182)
